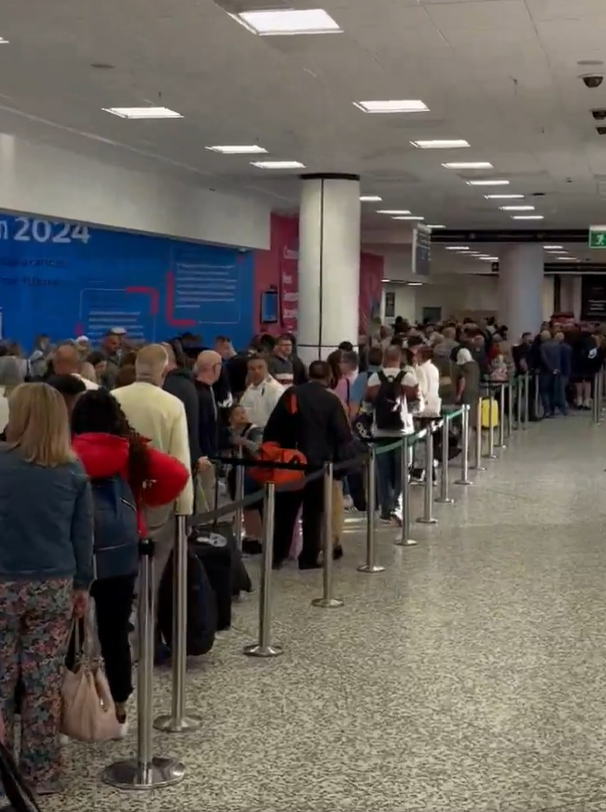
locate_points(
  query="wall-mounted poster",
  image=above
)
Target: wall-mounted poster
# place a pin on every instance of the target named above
(390, 304)
(593, 298)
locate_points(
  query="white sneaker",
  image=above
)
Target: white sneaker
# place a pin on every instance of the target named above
(347, 502)
(63, 740)
(122, 731)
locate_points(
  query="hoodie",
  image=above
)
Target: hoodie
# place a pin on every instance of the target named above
(106, 455)
(180, 383)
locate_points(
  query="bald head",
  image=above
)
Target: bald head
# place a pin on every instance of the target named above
(66, 359)
(208, 367)
(151, 364)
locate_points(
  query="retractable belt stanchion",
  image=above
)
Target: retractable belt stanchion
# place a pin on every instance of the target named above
(464, 480)
(145, 771)
(537, 396)
(478, 456)
(526, 412)
(444, 497)
(597, 398)
(519, 400)
(238, 496)
(327, 601)
(501, 443)
(179, 720)
(404, 540)
(510, 386)
(427, 517)
(264, 647)
(370, 566)
(491, 402)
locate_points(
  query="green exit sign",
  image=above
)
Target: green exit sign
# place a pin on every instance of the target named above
(597, 236)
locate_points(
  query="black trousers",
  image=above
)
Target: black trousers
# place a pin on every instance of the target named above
(311, 497)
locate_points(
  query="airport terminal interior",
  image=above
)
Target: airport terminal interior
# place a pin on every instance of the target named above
(276, 181)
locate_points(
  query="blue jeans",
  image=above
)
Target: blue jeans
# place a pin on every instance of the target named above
(389, 480)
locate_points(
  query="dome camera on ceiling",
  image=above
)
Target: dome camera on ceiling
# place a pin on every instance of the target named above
(592, 80)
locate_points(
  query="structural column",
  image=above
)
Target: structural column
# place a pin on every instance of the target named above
(329, 263)
(521, 288)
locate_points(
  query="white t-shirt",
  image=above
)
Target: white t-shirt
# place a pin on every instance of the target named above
(408, 380)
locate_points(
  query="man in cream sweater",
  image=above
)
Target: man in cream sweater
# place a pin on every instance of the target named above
(159, 417)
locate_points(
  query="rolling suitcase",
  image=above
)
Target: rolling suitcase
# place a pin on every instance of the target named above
(212, 551)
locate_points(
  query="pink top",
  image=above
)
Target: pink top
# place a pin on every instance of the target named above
(343, 387)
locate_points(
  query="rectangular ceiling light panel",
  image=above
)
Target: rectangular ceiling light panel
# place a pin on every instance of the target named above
(370, 199)
(516, 208)
(468, 165)
(488, 183)
(527, 217)
(288, 22)
(409, 217)
(142, 112)
(453, 143)
(393, 106)
(252, 149)
(278, 164)
(504, 197)
(393, 211)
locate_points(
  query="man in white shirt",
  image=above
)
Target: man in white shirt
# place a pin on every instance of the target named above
(159, 417)
(262, 393)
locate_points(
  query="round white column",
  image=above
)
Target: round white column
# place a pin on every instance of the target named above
(329, 263)
(521, 288)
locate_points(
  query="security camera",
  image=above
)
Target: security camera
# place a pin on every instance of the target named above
(592, 80)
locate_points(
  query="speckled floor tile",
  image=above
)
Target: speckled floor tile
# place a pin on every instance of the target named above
(467, 677)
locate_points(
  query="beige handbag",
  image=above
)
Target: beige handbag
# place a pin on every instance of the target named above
(88, 713)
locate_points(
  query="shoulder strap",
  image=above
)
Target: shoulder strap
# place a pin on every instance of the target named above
(399, 377)
(382, 376)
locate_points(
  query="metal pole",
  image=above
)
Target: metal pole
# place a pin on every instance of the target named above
(597, 397)
(478, 466)
(537, 395)
(501, 443)
(518, 381)
(444, 498)
(145, 771)
(404, 540)
(327, 601)
(239, 496)
(370, 565)
(491, 455)
(526, 412)
(464, 480)
(179, 720)
(427, 517)
(264, 647)
(510, 408)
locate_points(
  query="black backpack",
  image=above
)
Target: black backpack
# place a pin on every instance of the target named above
(388, 403)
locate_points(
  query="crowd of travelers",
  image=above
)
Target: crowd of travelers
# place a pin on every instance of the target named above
(102, 445)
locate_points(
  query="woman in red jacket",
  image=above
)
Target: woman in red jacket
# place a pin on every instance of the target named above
(110, 452)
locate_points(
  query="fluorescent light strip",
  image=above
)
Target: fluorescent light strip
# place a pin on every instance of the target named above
(489, 259)
(554, 247)
(453, 143)
(457, 248)
(392, 106)
(288, 22)
(527, 217)
(468, 165)
(516, 208)
(252, 149)
(142, 112)
(393, 211)
(488, 183)
(370, 199)
(277, 164)
(504, 197)
(434, 225)
(409, 217)
(414, 284)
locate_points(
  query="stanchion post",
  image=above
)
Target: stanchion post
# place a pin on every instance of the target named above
(427, 517)
(519, 400)
(464, 480)
(501, 443)
(404, 539)
(491, 455)
(537, 395)
(179, 720)
(444, 497)
(239, 496)
(510, 408)
(371, 566)
(597, 397)
(265, 648)
(327, 601)
(526, 413)
(478, 461)
(145, 771)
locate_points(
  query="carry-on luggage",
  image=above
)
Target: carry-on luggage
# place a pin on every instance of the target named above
(201, 607)
(490, 405)
(239, 577)
(215, 556)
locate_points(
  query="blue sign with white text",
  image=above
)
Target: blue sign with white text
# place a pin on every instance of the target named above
(68, 279)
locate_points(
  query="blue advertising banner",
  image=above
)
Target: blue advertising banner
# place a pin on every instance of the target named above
(68, 279)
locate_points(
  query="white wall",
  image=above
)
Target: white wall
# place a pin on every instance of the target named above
(405, 302)
(55, 183)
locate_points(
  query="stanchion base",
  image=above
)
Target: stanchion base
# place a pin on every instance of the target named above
(328, 603)
(168, 724)
(405, 543)
(463, 481)
(447, 501)
(490, 457)
(479, 468)
(370, 568)
(422, 520)
(131, 774)
(501, 446)
(257, 650)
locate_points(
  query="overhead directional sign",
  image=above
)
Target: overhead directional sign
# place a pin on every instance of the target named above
(464, 237)
(597, 236)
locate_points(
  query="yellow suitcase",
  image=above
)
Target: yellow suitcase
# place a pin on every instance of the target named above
(489, 404)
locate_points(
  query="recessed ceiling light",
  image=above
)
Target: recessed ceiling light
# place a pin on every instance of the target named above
(252, 149)
(392, 211)
(370, 199)
(288, 22)
(504, 197)
(553, 247)
(392, 106)
(452, 143)
(414, 284)
(527, 217)
(488, 183)
(516, 208)
(433, 225)
(409, 217)
(468, 165)
(278, 164)
(142, 112)
(457, 248)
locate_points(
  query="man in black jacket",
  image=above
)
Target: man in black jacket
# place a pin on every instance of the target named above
(319, 429)
(179, 381)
